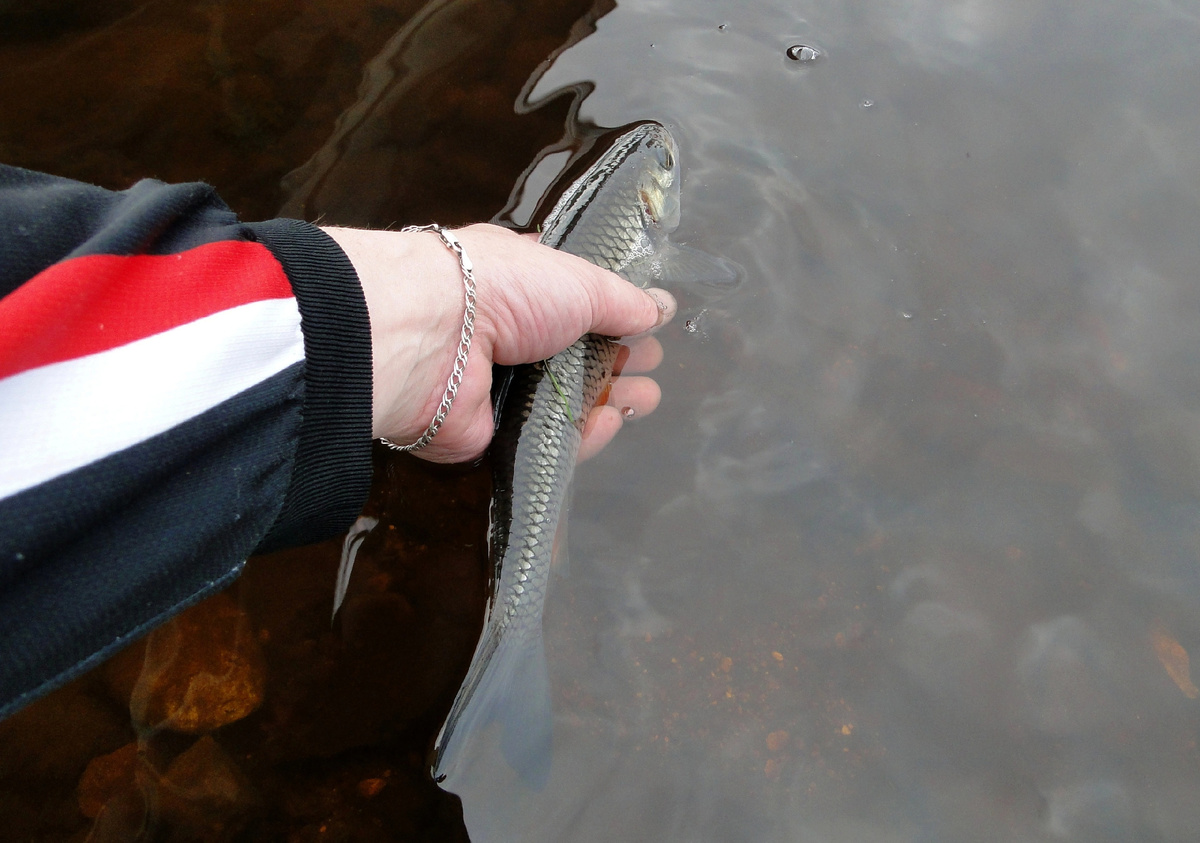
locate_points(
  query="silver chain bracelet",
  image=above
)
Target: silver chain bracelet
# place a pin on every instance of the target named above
(464, 345)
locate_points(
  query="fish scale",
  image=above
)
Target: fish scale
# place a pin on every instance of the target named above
(538, 485)
(616, 215)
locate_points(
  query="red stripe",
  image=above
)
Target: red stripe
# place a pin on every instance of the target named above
(93, 303)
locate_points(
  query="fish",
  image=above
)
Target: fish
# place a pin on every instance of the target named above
(617, 215)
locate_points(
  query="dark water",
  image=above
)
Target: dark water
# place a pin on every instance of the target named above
(911, 550)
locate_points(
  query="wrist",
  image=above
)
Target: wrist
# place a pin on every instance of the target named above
(414, 293)
(463, 349)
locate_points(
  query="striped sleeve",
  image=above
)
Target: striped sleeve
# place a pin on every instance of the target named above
(177, 391)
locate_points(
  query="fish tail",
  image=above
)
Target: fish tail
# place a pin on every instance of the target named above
(512, 689)
(526, 716)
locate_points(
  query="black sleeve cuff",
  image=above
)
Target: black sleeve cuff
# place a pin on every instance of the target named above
(332, 473)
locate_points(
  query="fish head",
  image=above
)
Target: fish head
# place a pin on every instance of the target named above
(658, 181)
(620, 213)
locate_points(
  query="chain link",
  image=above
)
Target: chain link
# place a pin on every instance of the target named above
(464, 345)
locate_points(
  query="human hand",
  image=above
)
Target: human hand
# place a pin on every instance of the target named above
(531, 303)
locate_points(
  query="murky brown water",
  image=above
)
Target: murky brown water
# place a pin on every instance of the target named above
(308, 731)
(911, 551)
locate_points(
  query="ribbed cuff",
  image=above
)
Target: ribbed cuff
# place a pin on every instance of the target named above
(332, 472)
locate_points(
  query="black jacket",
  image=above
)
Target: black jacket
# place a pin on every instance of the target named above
(178, 390)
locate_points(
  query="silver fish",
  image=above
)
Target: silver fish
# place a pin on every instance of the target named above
(617, 215)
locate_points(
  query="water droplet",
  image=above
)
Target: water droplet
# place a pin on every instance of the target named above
(868, 103)
(802, 52)
(628, 412)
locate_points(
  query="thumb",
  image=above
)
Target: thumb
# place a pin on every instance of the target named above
(625, 310)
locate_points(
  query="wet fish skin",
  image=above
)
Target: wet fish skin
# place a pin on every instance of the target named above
(617, 215)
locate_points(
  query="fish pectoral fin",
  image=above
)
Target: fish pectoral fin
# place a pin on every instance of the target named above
(688, 266)
(685, 267)
(513, 691)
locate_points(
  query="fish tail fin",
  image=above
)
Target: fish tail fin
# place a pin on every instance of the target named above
(512, 689)
(527, 717)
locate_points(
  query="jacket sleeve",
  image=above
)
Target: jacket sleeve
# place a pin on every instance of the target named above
(178, 390)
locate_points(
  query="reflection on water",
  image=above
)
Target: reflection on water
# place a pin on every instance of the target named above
(910, 550)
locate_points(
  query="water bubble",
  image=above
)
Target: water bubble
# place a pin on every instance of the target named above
(802, 52)
(723, 26)
(628, 412)
(696, 325)
(867, 103)
(906, 314)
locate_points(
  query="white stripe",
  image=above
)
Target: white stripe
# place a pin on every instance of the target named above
(61, 417)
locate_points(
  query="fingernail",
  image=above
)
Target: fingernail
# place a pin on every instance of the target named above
(665, 303)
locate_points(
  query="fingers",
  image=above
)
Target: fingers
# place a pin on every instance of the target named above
(622, 309)
(628, 311)
(629, 398)
(666, 305)
(625, 310)
(603, 424)
(640, 355)
(533, 301)
(634, 396)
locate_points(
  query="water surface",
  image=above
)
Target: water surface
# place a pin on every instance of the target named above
(910, 550)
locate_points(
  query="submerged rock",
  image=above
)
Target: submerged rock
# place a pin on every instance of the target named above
(202, 670)
(107, 776)
(202, 795)
(204, 788)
